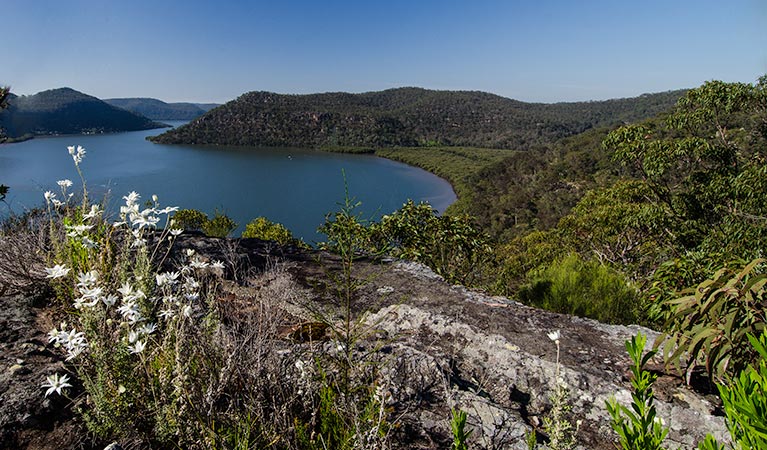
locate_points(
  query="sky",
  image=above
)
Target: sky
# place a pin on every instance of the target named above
(529, 50)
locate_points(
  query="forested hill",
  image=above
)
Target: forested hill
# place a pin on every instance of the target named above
(66, 111)
(159, 110)
(406, 117)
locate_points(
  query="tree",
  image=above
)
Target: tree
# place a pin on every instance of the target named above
(705, 167)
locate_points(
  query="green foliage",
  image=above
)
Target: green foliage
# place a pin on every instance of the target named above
(405, 117)
(531, 439)
(638, 427)
(189, 219)
(458, 165)
(220, 225)
(264, 229)
(532, 190)
(346, 231)
(557, 424)
(524, 254)
(710, 443)
(745, 400)
(450, 244)
(673, 276)
(704, 167)
(689, 195)
(712, 321)
(66, 111)
(458, 426)
(159, 110)
(583, 288)
(620, 226)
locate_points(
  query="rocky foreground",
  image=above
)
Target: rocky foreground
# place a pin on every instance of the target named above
(441, 346)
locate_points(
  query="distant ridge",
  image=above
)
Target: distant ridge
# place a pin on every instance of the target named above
(405, 117)
(66, 111)
(159, 110)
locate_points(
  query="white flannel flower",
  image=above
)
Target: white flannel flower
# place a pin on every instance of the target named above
(176, 231)
(109, 300)
(57, 271)
(131, 198)
(186, 311)
(77, 154)
(166, 314)
(130, 311)
(147, 328)
(80, 229)
(87, 279)
(167, 278)
(145, 219)
(133, 336)
(87, 302)
(89, 243)
(129, 294)
(54, 383)
(49, 196)
(198, 264)
(94, 212)
(92, 293)
(554, 336)
(55, 335)
(190, 284)
(73, 341)
(64, 184)
(138, 347)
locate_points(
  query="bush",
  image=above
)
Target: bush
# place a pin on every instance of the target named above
(711, 321)
(744, 401)
(264, 229)
(190, 219)
(220, 225)
(452, 245)
(583, 288)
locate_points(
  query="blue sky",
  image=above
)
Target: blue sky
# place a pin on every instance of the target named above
(541, 51)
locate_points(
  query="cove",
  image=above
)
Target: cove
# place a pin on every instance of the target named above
(296, 187)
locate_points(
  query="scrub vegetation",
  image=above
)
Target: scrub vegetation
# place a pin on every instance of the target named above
(660, 222)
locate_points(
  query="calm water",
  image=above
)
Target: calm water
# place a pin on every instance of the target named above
(291, 186)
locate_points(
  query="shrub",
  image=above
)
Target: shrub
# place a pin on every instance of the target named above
(220, 225)
(583, 288)
(264, 229)
(711, 322)
(453, 246)
(190, 219)
(638, 427)
(745, 403)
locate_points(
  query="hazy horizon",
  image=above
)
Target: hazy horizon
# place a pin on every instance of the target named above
(553, 51)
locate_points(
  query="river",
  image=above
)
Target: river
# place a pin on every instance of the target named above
(296, 187)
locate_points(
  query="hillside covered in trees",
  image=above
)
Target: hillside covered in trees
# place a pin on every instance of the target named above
(65, 111)
(160, 110)
(406, 117)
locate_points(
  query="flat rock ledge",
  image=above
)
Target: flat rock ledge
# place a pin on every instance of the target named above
(501, 364)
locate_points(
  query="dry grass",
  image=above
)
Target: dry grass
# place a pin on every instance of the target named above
(23, 240)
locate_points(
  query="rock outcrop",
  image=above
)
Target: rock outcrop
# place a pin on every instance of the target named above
(444, 346)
